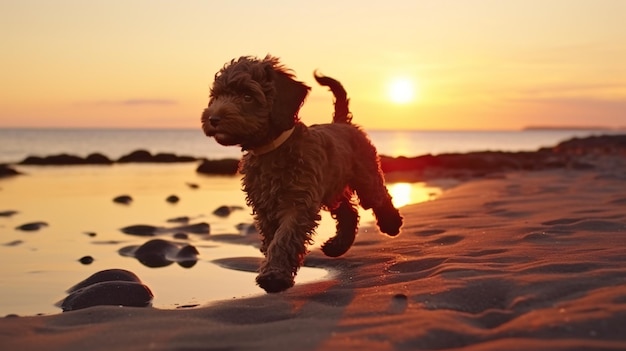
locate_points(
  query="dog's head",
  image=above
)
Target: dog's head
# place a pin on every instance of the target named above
(252, 101)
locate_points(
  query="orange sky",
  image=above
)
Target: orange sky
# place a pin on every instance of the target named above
(472, 64)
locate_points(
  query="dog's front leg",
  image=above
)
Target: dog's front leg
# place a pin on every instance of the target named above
(285, 252)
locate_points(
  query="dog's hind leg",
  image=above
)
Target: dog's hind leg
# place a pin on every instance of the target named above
(369, 185)
(347, 217)
(378, 199)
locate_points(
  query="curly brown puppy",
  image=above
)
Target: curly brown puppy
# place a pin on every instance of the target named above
(291, 171)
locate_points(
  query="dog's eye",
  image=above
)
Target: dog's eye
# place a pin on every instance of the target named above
(247, 98)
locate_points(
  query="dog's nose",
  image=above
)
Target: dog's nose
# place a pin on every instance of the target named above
(214, 120)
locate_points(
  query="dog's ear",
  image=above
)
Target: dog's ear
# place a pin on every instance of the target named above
(290, 95)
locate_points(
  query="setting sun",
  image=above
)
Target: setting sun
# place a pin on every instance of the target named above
(401, 90)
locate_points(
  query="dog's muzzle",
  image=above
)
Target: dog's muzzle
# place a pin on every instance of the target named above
(209, 123)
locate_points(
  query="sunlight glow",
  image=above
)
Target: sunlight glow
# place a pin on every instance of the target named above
(411, 193)
(401, 194)
(401, 90)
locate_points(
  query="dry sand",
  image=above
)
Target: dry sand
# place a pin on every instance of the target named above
(521, 261)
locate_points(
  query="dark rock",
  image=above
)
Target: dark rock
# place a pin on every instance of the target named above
(594, 145)
(136, 156)
(112, 293)
(115, 287)
(144, 156)
(182, 219)
(91, 234)
(156, 253)
(123, 199)
(171, 158)
(140, 229)
(29, 227)
(180, 236)
(8, 213)
(60, 160)
(161, 253)
(6, 171)
(193, 185)
(172, 199)
(218, 167)
(187, 253)
(97, 159)
(32, 160)
(106, 275)
(86, 260)
(185, 306)
(197, 228)
(222, 211)
(225, 211)
(66, 160)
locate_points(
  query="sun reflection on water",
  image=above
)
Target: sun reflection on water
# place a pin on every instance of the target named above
(411, 193)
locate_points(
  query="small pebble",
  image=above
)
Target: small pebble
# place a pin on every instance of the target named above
(29, 227)
(172, 199)
(181, 236)
(86, 260)
(123, 199)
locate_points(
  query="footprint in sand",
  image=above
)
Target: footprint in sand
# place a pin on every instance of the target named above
(398, 304)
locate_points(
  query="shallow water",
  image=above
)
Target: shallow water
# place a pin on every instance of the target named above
(37, 267)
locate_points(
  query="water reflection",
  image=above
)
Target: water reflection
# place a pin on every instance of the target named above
(77, 203)
(411, 193)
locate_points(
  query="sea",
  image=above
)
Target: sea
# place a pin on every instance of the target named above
(18, 143)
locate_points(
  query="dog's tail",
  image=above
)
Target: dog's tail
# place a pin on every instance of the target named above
(342, 111)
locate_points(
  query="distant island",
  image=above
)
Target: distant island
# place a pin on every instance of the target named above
(568, 128)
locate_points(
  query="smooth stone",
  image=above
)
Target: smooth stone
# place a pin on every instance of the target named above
(123, 199)
(29, 227)
(225, 211)
(160, 253)
(156, 253)
(222, 211)
(112, 293)
(106, 275)
(140, 229)
(197, 228)
(172, 199)
(180, 236)
(86, 260)
(182, 219)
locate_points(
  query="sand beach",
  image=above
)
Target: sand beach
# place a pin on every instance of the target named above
(506, 259)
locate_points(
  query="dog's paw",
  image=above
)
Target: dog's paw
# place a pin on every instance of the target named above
(335, 247)
(389, 221)
(275, 281)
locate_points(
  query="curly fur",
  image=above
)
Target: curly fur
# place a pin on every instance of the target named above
(290, 171)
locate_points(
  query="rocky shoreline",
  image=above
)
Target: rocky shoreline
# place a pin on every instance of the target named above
(576, 153)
